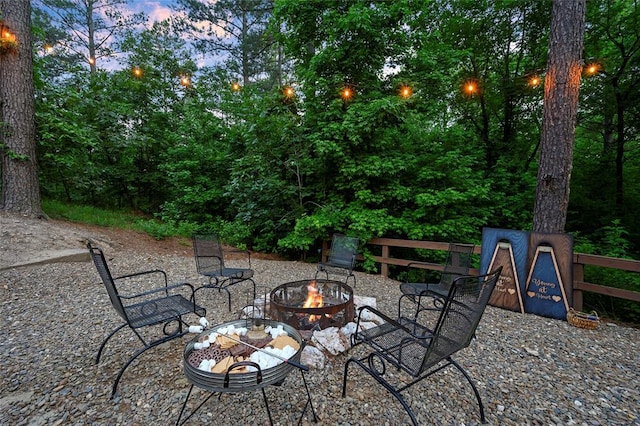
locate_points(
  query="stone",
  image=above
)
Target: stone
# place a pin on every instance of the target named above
(330, 340)
(369, 316)
(312, 357)
(359, 301)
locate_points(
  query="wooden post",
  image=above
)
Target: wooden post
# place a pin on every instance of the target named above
(325, 250)
(578, 275)
(384, 266)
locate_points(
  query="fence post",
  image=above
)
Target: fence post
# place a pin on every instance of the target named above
(578, 276)
(325, 250)
(384, 267)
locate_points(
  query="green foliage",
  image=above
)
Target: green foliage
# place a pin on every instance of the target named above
(281, 173)
(161, 230)
(90, 215)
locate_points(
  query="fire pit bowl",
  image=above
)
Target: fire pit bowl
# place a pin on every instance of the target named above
(239, 382)
(309, 304)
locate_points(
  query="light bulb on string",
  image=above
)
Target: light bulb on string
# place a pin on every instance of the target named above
(347, 93)
(592, 68)
(470, 88)
(406, 91)
(288, 92)
(534, 81)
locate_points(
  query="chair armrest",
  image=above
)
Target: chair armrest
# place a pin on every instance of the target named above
(137, 274)
(423, 265)
(158, 290)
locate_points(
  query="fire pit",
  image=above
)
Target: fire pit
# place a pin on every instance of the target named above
(262, 337)
(238, 381)
(309, 304)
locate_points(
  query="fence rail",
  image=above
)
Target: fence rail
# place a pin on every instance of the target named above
(579, 262)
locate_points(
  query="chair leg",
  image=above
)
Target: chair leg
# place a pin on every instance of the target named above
(473, 386)
(140, 352)
(319, 271)
(225, 288)
(354, 280)
(104, 342)
(378, 376)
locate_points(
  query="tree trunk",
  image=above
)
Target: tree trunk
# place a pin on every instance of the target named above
(91, 38)
(562, 87)
(20, 187)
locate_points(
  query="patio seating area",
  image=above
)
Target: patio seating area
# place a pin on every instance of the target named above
(528, 369)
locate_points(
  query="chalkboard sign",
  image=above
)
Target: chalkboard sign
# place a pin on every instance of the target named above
(549, 282)
(506, 248)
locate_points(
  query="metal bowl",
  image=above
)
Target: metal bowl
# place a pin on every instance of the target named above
(240, 382)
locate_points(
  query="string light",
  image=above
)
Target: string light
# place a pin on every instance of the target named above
(347, 93)
(185, 80)
(8, 40)
(137, 72)
(592, 68)
(289, 92)
(534, 81)
(470, 87)
(405, 91)
(235, 86)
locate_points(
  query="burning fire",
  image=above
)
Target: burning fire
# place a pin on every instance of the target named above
(314, 299)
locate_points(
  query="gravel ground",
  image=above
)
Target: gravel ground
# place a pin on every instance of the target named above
(528, 369)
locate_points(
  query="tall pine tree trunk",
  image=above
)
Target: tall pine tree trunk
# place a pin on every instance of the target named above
(20, 187)
(562, 87)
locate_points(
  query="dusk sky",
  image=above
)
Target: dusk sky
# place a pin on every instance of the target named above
(157, 10)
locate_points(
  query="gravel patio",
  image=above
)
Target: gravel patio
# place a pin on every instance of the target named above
(528, 369)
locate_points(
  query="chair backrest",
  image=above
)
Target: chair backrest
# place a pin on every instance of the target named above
(457, 264)
(343, 251)
(207, 250)
(103, 270)
(460, 316)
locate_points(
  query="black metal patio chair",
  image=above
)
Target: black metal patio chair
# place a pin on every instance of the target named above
(419, 351)
(158, 303)
(341, 259)
(210, 258)
(457, 264)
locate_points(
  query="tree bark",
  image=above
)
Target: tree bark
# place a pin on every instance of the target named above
(20, 187)
(561, 91)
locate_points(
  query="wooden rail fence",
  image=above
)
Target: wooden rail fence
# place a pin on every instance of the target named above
(579, 262)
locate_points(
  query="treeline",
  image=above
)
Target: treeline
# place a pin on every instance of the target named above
(436, 138)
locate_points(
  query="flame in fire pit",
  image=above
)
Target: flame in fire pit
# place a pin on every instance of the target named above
(314, 299)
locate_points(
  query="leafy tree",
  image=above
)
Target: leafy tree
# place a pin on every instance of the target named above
(129, 117)
(606, 165)
(90, 27)
(20, 186)
(236, 31)
(377, 155)
(494, 48)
